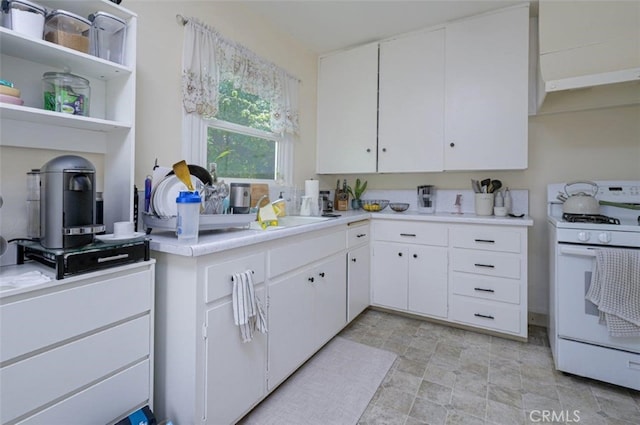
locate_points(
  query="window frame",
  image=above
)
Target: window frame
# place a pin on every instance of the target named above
(283, 145)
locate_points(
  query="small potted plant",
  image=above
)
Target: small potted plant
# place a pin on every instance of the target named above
(356, 194)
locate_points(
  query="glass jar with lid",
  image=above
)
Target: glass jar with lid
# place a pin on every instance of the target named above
(67, 93)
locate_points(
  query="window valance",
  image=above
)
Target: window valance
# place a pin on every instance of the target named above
(209, 58)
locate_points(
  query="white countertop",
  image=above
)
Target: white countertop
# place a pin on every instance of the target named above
(213, 241)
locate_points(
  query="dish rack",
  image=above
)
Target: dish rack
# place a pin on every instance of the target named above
(207, 221)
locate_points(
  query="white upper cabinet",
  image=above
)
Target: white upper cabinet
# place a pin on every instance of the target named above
(347, 111)
(487, 91)
(411, 103)
(453, 98)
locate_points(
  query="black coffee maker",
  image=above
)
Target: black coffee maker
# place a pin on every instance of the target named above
(68, 203)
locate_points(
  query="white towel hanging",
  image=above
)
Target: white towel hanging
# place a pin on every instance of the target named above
(248, 313)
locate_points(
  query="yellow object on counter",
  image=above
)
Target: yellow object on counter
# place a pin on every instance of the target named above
(267, 216)
(280, 207)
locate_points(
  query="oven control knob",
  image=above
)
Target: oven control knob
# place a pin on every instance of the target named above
(584, 236)
(604, 237)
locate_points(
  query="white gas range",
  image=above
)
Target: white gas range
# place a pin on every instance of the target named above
(580, 344)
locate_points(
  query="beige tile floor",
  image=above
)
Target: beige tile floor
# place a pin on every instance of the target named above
(445, 375)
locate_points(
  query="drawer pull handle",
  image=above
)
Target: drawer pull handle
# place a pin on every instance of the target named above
(484, 316)
(484, 240)
(361, 235)
(311, 279)
(415, 255)
(353, 259)
(412, 235)
(113, 258)
(321, 274)
(488, 266)
(483, 290)
(252, 272)
(399, 254)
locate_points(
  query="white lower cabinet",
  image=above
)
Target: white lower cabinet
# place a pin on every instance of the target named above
(78, 348)
(358, 268)
(488, 278)
(205, 373)
(235, 371)
(305, 311)
(409, 269)
(468, 274)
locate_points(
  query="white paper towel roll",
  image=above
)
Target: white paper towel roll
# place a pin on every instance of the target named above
(312, 188)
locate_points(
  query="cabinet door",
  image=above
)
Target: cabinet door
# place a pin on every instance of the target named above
(291, 320)
(389, 278)
(330, 299)
(235, 371)
(347, 111)
(487, 91)
(427, 293)
(411, 103)
(358, 280)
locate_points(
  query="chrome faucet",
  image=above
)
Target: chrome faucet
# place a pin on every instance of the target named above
(258, 205)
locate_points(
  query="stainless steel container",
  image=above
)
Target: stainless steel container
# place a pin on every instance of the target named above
(67, 203)
(240, 198)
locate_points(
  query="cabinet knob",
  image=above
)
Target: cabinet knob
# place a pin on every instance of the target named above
(415, 255)
(452, 144)
(321, 274)
(311, 279)
(384, 149)
(353, 259)
(368, 150)
(399, 254)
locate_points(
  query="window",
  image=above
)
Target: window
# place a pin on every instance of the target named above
(240, 140)
(240, 111)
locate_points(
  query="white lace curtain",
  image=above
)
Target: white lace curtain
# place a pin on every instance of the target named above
(209, 58)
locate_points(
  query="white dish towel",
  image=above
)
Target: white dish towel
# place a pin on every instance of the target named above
(248, 313)
(615, 290)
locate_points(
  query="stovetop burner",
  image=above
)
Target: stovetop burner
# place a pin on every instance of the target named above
(589, 218)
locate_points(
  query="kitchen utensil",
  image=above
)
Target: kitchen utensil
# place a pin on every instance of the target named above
(475, 185)
(374, 205)
(181, 169)
(484, 184)
(259, 190)
(200, 172)
(581, 202)
(494, 186)
(398, 206)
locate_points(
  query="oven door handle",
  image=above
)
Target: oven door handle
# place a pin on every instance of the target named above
(584, 252)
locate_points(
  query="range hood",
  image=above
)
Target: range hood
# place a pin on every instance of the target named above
(589, 55)
(589, 91)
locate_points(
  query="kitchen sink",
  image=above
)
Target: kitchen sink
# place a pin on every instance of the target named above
(289, 221)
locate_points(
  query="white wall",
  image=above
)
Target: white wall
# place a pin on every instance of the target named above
(600, 144)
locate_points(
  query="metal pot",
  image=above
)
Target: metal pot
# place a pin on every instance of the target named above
(581, 202)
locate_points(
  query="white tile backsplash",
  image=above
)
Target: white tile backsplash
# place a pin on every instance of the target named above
(446, 198)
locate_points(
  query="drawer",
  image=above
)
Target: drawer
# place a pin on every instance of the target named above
(292, 255)
(488, 238)
(54, 317)
(52, 374)
(411, 232)
(218, 276)
(486, 314)
(358, 234)
(486, 263)
(489, 288)
(125, 391)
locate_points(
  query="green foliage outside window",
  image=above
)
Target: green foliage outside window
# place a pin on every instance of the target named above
(239, 155)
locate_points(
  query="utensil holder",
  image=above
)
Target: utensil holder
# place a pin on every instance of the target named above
(484, 203)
